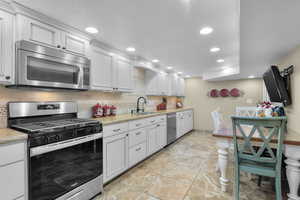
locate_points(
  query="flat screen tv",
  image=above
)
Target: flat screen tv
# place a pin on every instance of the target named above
(278, 84)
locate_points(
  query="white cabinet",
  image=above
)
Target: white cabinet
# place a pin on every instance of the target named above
(46, 34)
(6, 47)
(101, 69)
(13, 170)
(157, 137)
(124, 75)
(156, 83)
(137, 153)
(109, 72)
(180, 86)
(152, 144)
(151, 82)
(73, 43)
(115, 155)
(184, 122)
(161, 129)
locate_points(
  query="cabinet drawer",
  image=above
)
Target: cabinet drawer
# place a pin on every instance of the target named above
(12, 182)
(152, 120)
(115, 129)
(162, 118)
(137, 136)
(137, 153)
(137, 124)
(11, 153)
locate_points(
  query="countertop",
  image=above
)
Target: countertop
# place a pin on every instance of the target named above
(8, 135)
(129, 117)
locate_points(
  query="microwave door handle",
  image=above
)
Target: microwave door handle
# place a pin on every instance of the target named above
(79, 78)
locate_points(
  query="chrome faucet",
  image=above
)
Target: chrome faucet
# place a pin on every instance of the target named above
(138, 109)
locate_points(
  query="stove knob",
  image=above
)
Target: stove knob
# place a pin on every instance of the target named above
(57, 138)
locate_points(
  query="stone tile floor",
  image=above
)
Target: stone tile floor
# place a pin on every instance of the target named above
(185, 170)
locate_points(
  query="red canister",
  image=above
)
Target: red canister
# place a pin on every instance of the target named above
(105, 110)
(97, 110)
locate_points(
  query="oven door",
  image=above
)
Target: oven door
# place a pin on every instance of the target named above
(40, 70)
(58, 168)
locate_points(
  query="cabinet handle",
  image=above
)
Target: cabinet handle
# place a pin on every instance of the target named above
(64, 48)
(138, 133)
(7, 77)
(138, 149)
(152, 121)
(138, 125)
(127, 135)
(58, 46)
(158, 125)
(116, 130)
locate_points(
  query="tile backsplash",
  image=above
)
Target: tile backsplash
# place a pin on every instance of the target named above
(85, 99)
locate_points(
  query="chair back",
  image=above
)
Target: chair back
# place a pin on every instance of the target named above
(268, 130)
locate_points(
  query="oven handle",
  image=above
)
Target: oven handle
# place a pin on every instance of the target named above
(64, 144)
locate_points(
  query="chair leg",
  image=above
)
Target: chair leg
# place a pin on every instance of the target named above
(278, 187)
(237, 183)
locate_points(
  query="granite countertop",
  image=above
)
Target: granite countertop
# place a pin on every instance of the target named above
(129, 117)
(8, 135)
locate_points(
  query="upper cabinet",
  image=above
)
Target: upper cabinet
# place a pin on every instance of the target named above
(6, 47)
(101, 69)
(45, 34)
(110, 72)
(124, 75)
(162, 84)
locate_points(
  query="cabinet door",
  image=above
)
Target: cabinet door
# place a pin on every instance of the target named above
(74, 43)
(124, 75)
(151, 81)
(12, 180)
(101, 69)
(190, 120)
(32, 30)
(180, 124)
(6, 48)
(180, 86)
(152, 141)
(115, 155)
(161, 131)
(162, 86)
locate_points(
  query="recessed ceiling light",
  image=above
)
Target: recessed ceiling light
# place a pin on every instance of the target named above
(215, 49)
(251, 76)
(206, 30)
(220, 60)
(187, 76)
(91, 30)
(179, 73)
(130, 49)
(169, 67)
(155, 61)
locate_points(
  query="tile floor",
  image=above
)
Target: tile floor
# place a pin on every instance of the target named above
(184, 170)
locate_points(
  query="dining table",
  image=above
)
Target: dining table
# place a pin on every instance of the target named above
(291, 151)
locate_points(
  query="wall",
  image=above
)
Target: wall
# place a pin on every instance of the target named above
(293, 58)
(85, 99)
(196, 96)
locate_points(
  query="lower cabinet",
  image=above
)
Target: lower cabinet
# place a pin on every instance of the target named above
(13, 171)
(115, 155)
(137, 153)
(157, 137)
(184, 122)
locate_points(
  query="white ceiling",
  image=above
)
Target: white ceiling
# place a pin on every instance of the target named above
(168, 30)
(270, 29)
(164, 29)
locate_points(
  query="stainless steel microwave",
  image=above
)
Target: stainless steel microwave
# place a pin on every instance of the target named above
(45, 67)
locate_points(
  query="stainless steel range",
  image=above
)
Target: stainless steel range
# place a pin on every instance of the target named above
(64, 152)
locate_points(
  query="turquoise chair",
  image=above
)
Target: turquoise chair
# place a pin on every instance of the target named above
(261, 161)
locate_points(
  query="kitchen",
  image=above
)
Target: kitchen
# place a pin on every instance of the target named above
(93, 107)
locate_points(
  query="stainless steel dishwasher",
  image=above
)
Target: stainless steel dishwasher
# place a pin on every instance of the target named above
(171, 128)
